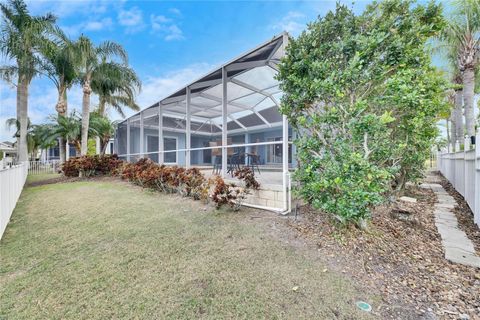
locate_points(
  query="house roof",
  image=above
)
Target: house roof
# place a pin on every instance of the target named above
(253, 93)
(7, 146)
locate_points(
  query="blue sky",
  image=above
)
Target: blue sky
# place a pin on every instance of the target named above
(169, 43)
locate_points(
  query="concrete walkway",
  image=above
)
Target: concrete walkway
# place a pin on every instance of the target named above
(457, 247)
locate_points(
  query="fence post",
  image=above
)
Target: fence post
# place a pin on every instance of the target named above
(476, 205)
(466, 148)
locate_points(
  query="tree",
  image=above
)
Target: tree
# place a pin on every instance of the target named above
(36, 136)
(69, 128)
(450, 121)
(20, 37)
(90, 57)
(59, 63)
(104, 129)
(364, 98)
(39, 141)
(66, 127)
(463, 35)
(117, 86)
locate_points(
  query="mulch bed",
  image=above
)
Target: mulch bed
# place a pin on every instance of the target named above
(401, 257)
(464, 214)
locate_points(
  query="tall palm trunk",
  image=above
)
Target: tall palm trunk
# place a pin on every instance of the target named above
(61, 108)
(101, 112)
(468, 93)
(103, 146)
(459, 131)
(22, 117)
(101, 106)
(451, 132)
(85, 115)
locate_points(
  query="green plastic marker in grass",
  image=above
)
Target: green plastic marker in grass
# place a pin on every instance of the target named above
(364, 306)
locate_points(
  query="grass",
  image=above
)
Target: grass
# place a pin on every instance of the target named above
(104, 249)
(33, 178)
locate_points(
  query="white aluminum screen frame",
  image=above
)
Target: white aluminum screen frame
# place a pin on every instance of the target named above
(242, 93)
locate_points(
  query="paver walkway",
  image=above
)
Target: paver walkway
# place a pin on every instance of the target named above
(457, 247)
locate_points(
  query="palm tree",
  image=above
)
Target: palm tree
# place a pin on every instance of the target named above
(69, 127)
(39, 139)
(36, 135)
(457, 115)
(449, 117)
(90, 58)
(66, 127)
(20, 37)
(59, 66)
(463, 34)
(103, 128)
(117, 86)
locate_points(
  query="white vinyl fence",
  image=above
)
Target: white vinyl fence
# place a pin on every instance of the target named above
(12, 180)
(462, 169)
(41, 167)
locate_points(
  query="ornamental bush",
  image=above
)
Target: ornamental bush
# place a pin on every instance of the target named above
(169, 179)
(92, 165)
(186, 182)
(364, 99)
(248, 176)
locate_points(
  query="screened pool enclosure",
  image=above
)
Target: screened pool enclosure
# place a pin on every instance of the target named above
(227, 119)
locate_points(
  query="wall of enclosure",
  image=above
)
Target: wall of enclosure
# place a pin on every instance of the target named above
(462, 169)
(12, 181)
(269, 148)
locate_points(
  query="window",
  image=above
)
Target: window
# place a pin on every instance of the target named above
(170, 143)
(274, 152)
(152, 146)
(207, 154)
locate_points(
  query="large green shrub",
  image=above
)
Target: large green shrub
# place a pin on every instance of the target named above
(364, 98)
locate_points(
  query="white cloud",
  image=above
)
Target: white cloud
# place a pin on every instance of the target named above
(7, 110)
(90, 25)
(175, 11)
(68, 8)
(175, 33)
(292, 23)
(131, 19)
(41, 103)
(43, 95)
(166, 28)
(105, 23)
(156, 88)
(158, 21)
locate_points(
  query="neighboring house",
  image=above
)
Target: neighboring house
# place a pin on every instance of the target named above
(110, 147)
(53, 153)
(8, 152)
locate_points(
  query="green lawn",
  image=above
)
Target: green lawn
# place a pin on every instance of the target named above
(33, 178)
(104, 249)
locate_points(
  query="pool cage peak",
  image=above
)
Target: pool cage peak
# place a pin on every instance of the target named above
(232, 109)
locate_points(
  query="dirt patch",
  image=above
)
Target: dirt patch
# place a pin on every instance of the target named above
(463, 213)
(400, 258)
(50, 181)
(63, 179)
